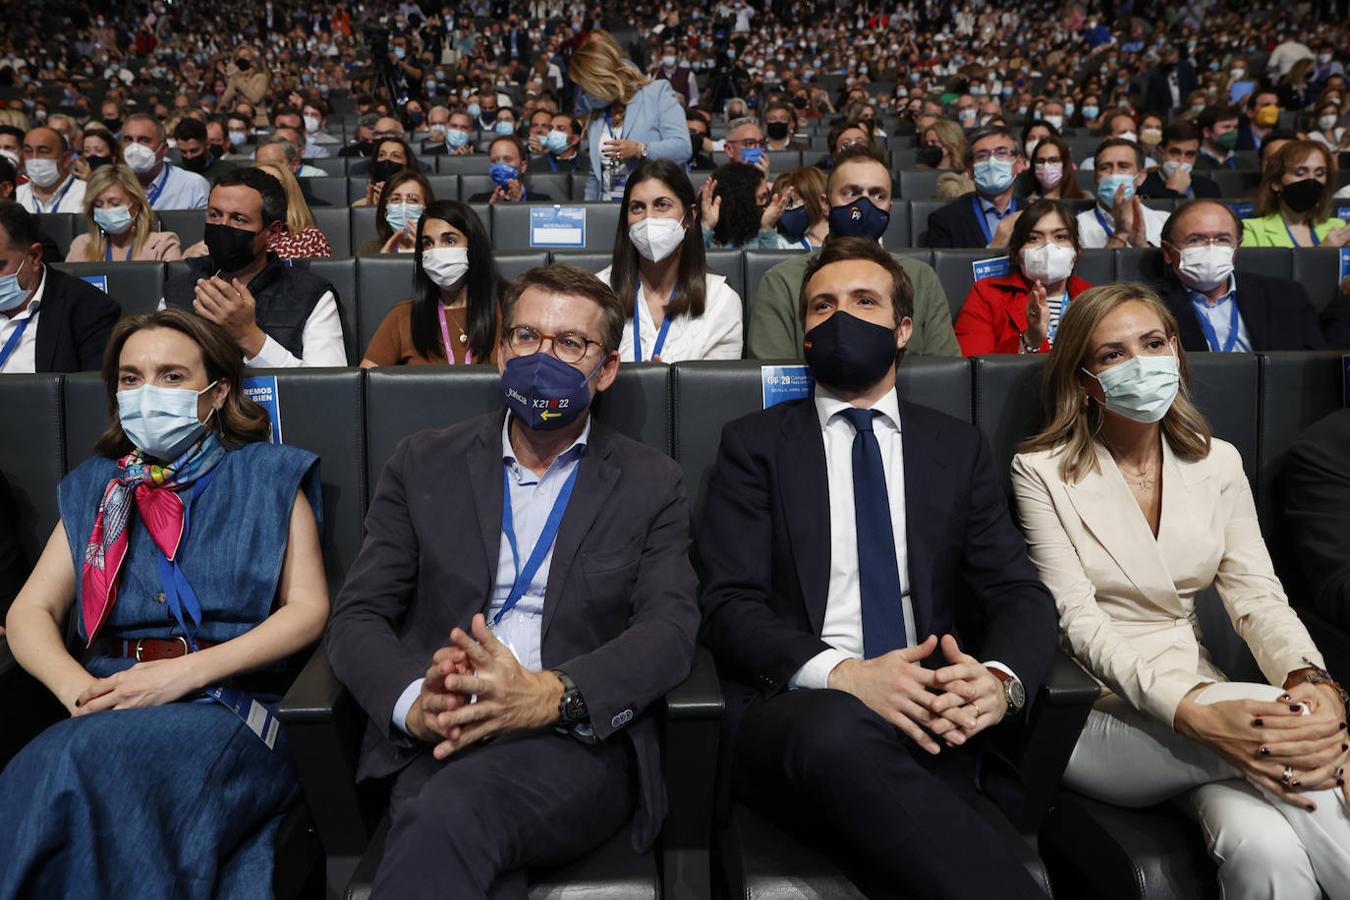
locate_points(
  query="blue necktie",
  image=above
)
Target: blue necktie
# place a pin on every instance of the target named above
(883, 617)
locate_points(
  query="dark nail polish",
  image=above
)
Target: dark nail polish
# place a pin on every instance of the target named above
(1296, 707)
(1345, 747)
(1296, 783)
(77, 704)
(1257, 723)
(1342, 726)
(1340, 771)
(1340, 782)
(1265, 751)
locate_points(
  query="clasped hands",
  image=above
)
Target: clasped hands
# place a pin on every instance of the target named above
(951, 704)
(476, 688)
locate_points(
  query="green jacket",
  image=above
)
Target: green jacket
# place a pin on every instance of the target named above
(775, 330)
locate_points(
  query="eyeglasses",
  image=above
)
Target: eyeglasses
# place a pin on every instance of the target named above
(1200, 240)
(569, 347)
(1002, 154)
(748, 144)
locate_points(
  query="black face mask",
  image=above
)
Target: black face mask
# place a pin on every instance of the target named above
(216, 151)
(929, 156)
(199, 163)
(114, 125)
(96, 161)
(847, 353)
(231, 249)
(777, 130)
(1303, 196)
(383, 170)
(243, 64)
(800, 102)
(365, 148)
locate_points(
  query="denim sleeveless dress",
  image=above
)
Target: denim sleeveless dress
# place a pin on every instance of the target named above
(181, 800)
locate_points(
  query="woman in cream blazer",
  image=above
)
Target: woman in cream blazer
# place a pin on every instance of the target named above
(1131, 509)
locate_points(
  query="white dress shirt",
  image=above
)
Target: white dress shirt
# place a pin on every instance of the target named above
(67, 198)
(24, 356)
(1093, 236)
(843, 626)
(717, 334)
(181, 189)
(321, 338)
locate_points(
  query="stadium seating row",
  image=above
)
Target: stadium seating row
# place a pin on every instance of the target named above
(354, 420)
(368, 287)
(509, 224)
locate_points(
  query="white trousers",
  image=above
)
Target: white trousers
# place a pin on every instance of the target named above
(1265, 848)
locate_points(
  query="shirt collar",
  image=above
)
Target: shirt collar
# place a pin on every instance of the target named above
(574, 451)
(1200, 297)
(828, 406)
(989, 207)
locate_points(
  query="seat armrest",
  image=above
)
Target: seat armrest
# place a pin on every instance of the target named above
(1055, 720)
(323, 732)
(692, 723)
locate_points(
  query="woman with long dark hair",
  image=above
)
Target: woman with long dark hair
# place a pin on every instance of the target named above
(677, 309)
(452, 314)
(740, 210)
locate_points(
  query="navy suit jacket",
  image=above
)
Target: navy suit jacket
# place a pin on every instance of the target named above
(764, 552)
(1276, 311)
(73, 325)
(955, 225)
(620, 609)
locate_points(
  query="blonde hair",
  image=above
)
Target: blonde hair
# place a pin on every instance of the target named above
(298, 216)
(952, 138)
(116, 175)
(1072, 418)
(600, 68)
(17, 118)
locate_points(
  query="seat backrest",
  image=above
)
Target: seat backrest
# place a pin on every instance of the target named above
(363, 226)
(919, 184)
(1318, 269)
(331, 165)
(757, 262)
(473, 164)
(188, 224)
(332, 189)
(335, 223)
(1233, 183)
(403, 400)
(919, 211)
(590, 262)
(1139, 264)
(341, 273)
(1276, 261)
(1096, 266)
(320, 411)
(1297, 389)
(445, 187)
(32, 455)
(899, 234)
(382, 282)
(512, 232)
(955, 272)
(1007, 393)
(781, 161)
(61, 228)
(511, 266)
(136, 286)
(730, 264)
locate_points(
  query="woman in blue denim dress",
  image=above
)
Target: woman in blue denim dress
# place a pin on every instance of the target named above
(188, 547)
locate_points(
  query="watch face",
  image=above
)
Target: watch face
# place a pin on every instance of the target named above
(1017, 695)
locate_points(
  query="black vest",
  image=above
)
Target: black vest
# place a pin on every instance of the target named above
(285, 296)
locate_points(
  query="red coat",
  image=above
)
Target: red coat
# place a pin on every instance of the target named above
(995, 314)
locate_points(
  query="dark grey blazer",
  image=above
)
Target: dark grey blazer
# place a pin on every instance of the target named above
(620, 610)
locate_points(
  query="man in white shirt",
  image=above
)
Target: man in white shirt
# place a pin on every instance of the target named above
(281, 315)
(1119, 219)
(842, 537)
(166, 186)
(51, 186)
(1288, 52)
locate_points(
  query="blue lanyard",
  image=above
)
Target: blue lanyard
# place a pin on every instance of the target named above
(12, 344)
(37, 204)
(1312, 232)
(178, 594)
(660, 335)
(807, 246)
(551, 163)
(542, 546)
(129, 252)
(1101, 220)
(1211, 337)
(983, 220)
(159, 186)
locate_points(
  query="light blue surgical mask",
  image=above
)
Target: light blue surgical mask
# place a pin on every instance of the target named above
(993, 176)
(1141, 389)
(11, 294)
(474, 110)
(402, 215)
(455, 137)
(113, 219)
(1106, 189)
(504, 127)
(161, 421)
(556, 141)
(592, 102)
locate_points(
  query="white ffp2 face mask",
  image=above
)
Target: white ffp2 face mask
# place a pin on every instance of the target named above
(445, 265)
(1048, 263)
(1205, 268)
(139, 158)
(656, 238)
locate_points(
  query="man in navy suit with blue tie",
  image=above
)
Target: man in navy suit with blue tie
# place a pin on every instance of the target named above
(843, 538)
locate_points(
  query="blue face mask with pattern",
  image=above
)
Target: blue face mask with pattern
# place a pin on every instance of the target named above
(503, 174)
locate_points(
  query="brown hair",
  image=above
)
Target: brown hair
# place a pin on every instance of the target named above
(810, 184)
(1030, 218)
(1288, 156)
(1069, 188)
(240, 421)
(561, 278)
(841, 249)
(381, 225)
(1072, 419)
